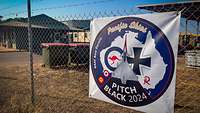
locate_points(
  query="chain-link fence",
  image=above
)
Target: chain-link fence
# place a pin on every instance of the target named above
(60, 47)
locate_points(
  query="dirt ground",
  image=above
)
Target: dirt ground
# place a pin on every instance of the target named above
(2, 49)
(64, 91)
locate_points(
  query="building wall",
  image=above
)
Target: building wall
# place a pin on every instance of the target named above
(7, 37)
(79, 36)
(17, 37)
(192, 39)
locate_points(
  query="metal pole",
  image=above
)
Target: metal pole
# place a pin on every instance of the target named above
(30, 52)
(186, 23)
(197, 33)
(197, 27)
(3, 38)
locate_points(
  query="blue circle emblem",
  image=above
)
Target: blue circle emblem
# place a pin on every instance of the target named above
(132, 61)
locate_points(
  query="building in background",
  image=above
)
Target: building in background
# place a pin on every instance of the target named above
(83, 28)
(44, 30)
(191, 39)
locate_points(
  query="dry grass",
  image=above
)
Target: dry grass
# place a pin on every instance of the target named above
(63, 91)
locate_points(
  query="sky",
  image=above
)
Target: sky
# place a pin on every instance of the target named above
(74, 8)
(55, 8)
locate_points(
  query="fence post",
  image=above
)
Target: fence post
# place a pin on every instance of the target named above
(196, 38)
(186, 30)
(30, 52)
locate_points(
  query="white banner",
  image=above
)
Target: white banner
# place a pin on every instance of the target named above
(133, 61)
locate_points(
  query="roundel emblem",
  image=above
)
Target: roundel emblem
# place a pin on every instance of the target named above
(132, 61)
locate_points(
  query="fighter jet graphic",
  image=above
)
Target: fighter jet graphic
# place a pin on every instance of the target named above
(123, 70)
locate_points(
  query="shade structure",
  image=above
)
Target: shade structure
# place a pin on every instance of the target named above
(191, 9)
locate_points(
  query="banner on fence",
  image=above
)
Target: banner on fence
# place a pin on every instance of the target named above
(133, 61)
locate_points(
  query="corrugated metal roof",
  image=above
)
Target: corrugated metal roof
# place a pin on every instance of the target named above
(71, 26)
(42, 21)
(19, 24)
(46, 21)
(78, 24)
(191, 8)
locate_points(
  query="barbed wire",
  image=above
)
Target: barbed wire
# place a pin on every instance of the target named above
(62, 6)
(17, 5)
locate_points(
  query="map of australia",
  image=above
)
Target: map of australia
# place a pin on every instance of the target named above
(157, 68)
